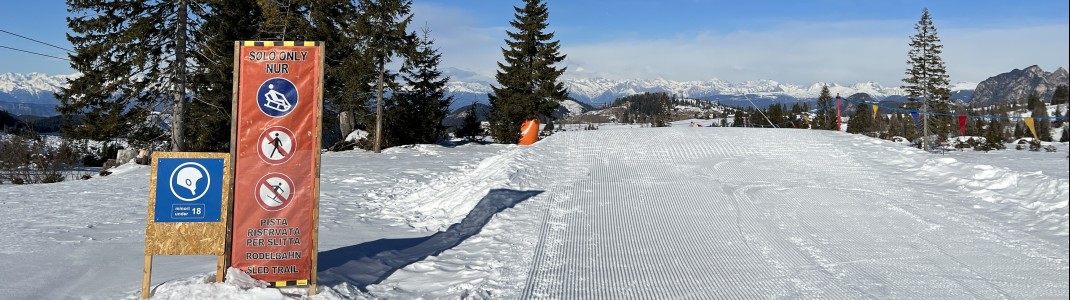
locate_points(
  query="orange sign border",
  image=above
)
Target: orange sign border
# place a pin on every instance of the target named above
(318, 99)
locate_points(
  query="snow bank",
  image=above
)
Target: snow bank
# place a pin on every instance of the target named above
(1038, 199)
(448, 199)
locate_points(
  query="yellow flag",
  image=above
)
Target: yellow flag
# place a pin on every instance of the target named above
(1029, 123)
(874, 112)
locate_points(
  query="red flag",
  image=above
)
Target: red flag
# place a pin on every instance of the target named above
(962, 124)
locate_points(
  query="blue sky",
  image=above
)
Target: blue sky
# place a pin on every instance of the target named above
(799, 42)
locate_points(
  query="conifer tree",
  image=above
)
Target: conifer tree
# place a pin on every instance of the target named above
(1061, 95)
(211, 84)
(418, 110)
(383, 25)
(470, 127)
(1019, 130)
(133, 56)
(927, 83)
(995, 135)
(826, 111)
(527, 80)
(737, 119)
(861, 120)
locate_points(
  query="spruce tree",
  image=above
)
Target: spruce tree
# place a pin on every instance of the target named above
(527, 80)
(211, 85)
(470, 127)
(996, 135)
(1019, 130)
(383, 25)
(826, 111)
(133, 57)
(927, 83)
(861, 120)
(1066, 128)
(418, 110)
(1061, 95)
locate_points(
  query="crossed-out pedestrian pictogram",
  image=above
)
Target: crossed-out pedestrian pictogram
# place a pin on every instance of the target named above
(276, 145)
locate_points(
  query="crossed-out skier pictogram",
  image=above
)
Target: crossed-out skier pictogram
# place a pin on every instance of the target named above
(274, 191)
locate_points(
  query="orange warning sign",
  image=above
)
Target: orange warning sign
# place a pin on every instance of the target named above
(276, 150)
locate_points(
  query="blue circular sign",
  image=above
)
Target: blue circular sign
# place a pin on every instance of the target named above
(277, 97)
(190, 181)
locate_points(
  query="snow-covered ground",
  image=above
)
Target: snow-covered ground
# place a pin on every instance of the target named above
(614, 213)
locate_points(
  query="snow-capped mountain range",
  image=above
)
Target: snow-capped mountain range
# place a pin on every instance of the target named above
(30, 94)
(33, 93)
(601, 90)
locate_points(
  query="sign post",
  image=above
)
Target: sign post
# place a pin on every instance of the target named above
(276, 148)
(189, 203)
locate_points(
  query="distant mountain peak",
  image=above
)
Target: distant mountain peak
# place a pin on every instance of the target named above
(602, 90)
(1017, 84)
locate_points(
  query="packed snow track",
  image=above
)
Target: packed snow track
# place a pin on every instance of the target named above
(734, 213)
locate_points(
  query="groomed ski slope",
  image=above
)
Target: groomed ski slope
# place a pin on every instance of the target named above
(736, 213)
(616, 213)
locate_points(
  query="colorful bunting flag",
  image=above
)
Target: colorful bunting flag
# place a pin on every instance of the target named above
(1029, 123)
(962, 124)
(914, 114)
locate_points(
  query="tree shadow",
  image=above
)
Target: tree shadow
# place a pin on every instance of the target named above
(369, 263)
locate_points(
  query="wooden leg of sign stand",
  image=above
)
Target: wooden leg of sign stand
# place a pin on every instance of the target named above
(146, 278)
(220, 267)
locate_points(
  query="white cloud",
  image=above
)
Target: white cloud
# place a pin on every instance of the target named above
(799, 53)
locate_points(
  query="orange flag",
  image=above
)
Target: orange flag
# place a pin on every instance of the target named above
(529, 132)
(1029, 123)
(874, 112)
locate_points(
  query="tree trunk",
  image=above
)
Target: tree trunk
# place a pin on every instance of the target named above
(178, 122)
(379, 110)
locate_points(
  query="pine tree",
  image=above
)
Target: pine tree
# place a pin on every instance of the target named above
(927, 81)
(211, 84)
(215, 25)
(737, 119)
(384, 26)
(1066, 128)
(861, 120)
(826, 111)
(1019, 130)
(1061, 95)
(470, 127)
(995, 135)
(418, 110)
(527, 80)
(133, 57)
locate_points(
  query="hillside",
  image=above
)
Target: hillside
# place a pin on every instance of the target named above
(712, 212)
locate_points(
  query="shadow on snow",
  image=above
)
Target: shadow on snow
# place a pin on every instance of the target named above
(369, 263)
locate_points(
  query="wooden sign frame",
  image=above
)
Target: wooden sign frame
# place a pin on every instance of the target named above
(187, 238)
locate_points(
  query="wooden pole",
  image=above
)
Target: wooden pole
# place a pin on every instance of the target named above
(146, 277)
(316, 183)
(220, 268)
